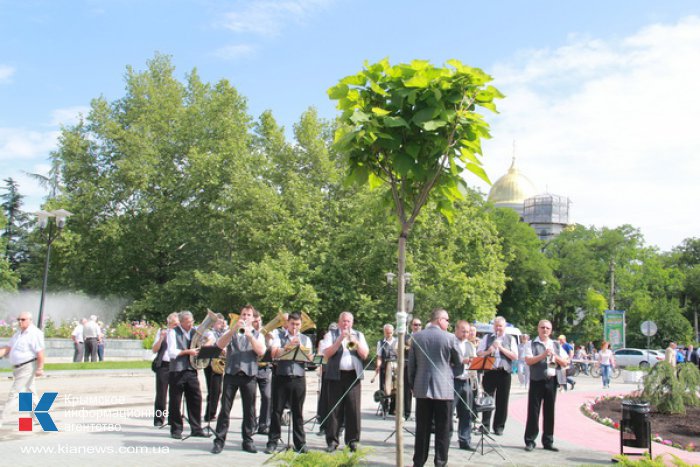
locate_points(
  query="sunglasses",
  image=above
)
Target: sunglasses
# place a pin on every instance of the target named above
(22, 319)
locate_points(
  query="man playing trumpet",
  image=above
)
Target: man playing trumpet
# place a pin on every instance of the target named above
(289, 382)
(345, 349)
(243, 346)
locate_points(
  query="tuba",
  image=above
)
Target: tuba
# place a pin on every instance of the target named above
(207, 324)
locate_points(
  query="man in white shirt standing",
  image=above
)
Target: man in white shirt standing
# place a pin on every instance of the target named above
(26, 353)
(546, 359)
(78, 341)
(464, 379)
(345, 349)
(497, 381)
(91, 333)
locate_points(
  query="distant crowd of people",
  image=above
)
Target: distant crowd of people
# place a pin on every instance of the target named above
(88, 340)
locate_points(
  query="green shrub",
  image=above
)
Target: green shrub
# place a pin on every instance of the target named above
(344, 458)
(647, 461)
(663, 389)
(689, 381)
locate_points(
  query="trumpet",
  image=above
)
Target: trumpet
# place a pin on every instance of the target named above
(351, 341)
(241, 330)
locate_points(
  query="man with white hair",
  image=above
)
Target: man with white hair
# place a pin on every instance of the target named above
(91, 333)
(496, 382)
(26, 353)
(78, 341)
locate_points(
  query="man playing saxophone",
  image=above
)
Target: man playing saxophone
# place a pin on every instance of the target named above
(345, 349)
(290, 383)
(243, 346)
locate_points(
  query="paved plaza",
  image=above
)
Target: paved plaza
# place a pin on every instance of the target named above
(105, 418)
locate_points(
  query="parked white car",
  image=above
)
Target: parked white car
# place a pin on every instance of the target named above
(642, 358)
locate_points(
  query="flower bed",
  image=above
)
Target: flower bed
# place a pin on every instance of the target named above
(602, 408)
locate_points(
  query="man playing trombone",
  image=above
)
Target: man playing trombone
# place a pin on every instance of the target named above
(345, 349)
(243, 346)
(289, 382)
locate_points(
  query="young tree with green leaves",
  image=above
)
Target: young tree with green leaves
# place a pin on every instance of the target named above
(413, 129)
(15, 231)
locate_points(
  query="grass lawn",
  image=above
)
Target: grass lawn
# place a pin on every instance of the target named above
(125, 365)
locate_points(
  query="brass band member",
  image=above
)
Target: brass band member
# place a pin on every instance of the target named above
(464, 394)
(161, 364)
(183, 378)
(345, 349)
(242, 352)
(386, 354)
(264, 381)
(497, 381)
(290, 384)
(213, 379)
(546, 359)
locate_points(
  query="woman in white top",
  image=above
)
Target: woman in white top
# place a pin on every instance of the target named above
(607, 362)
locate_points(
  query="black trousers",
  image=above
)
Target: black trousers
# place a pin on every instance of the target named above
(322, 406)
(162, 377)
(232, 383)
(214, 382)
(264, 381)
(184, 382)
(348, 407)
(407, 394)
(390, 403)
(497, 384)
(464, 401)
(288, 390)
(90, 352)
(541, 394)
(78, 351)
(428, 410)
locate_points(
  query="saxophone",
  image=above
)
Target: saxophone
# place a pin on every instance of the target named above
(209, 322)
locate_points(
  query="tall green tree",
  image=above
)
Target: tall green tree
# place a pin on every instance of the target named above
(8, 278)
(413, 128)
(16, 227)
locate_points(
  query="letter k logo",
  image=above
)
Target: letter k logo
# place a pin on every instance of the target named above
(41, 412)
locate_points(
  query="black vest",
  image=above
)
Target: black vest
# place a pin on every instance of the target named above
(538, 371)
(241, 356)
(288, 367)
(506, 344)
(332, 370)
(182, 362)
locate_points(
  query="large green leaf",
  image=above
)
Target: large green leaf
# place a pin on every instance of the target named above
(433, 125)
(423, 115)
(338, 91)
(379, 111)
(395, 121)
(478, 171)
(403, 163)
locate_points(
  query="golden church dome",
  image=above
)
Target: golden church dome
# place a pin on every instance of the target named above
(511, 189)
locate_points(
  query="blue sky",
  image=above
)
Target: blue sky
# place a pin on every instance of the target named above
(603, 100)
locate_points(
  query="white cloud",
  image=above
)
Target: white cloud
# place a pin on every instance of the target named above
(268, 17)
(231, 52)
(20, 143)
(69, 115)
(611, 124)
(6, 73)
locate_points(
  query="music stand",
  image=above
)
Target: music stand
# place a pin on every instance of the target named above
(483, 364)
(296, 355)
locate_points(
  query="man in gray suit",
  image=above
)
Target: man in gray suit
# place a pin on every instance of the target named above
(431, 378)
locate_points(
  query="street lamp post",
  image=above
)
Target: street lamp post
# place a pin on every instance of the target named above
(43, 220)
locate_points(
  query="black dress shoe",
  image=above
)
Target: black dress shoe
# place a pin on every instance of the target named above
(551, 448)
(332, 447)
(466, 447)
(158, 423)
(303, 450)
(270, 448)
(217, 448)
(498, 432)
(199, 434)
(250, 448)
(353, 446)
(176, 435)
(529, 447)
